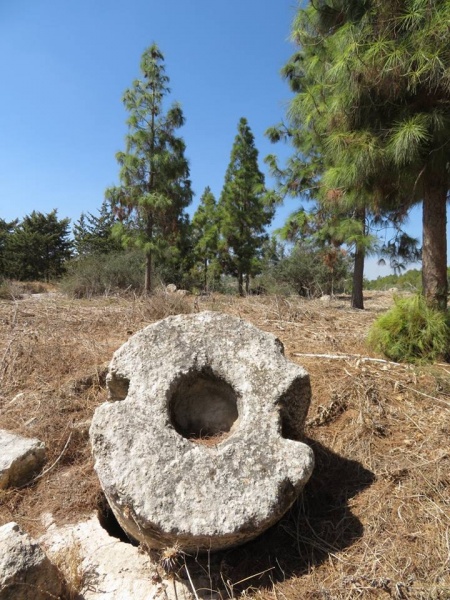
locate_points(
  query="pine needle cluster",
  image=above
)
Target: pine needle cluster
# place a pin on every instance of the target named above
(411, 332)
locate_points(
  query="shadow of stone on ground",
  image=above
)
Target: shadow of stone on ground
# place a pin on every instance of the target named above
(318, 524)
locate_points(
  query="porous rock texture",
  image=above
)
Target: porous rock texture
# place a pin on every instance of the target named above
(20, 458)
(108, 569)
(199, 443)
(25, 571)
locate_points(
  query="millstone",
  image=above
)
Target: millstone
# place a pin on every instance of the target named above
(199, 443)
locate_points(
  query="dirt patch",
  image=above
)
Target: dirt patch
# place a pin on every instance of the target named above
(374, 521)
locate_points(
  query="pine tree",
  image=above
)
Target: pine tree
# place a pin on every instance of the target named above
(205, 233)
(154, 173)
(81, 236)
(381, 109)
(94, 234)
(38, 247)
(308, 172)
(245, 210)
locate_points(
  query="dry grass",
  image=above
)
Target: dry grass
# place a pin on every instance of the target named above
(374, 521)
(210, 441)
(14, 290)
(70, 564)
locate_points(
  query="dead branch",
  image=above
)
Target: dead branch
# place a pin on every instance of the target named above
(357, 357)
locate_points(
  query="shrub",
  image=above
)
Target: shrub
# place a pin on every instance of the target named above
(5, 290)
(12, 290)
(411, 332)
(304, 272)
(161, 305)
(103, 274)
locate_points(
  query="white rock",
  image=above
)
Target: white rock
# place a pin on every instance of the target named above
(171, 288)
(194, 376)
(20, 458)
(108, 568)
(25, 571)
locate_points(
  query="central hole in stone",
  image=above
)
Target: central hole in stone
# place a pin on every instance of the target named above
(203, 406)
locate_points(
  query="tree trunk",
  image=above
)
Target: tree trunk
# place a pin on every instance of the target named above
(358, 267)
(47, 264)
(434, 244)
(240, 278)
(247, 284)
(148, 274)
(358, 277)
(148, 281)
(205, 285)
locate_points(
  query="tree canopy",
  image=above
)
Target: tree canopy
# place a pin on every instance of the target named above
(94, 234)
(38, 247)
(6, 228)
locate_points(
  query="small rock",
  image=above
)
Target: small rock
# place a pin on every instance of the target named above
(325, 299)
(48, 520)
(25, 571)
(122, 571)
(171, 288)
(183, 292)
(20, 459)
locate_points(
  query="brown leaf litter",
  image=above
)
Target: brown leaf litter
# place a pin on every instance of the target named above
(373, 522)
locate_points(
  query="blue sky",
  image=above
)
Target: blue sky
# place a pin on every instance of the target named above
(65, 66)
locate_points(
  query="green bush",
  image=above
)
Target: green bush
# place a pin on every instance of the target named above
(104, 274)
(411, 332)
(304, 272)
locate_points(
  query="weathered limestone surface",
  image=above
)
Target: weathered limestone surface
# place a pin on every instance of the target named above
(20, 458)
(111, 569)
(174, 385)
(25, 571)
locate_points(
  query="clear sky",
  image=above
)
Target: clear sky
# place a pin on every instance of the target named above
(65, 66)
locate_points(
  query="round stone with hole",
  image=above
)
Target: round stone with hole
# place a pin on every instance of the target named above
(199, 444)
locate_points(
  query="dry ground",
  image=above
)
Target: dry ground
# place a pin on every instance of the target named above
(374, 521)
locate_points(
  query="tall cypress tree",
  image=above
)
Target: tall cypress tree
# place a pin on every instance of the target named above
(155, 187)
(245, 209)
(205, 233)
